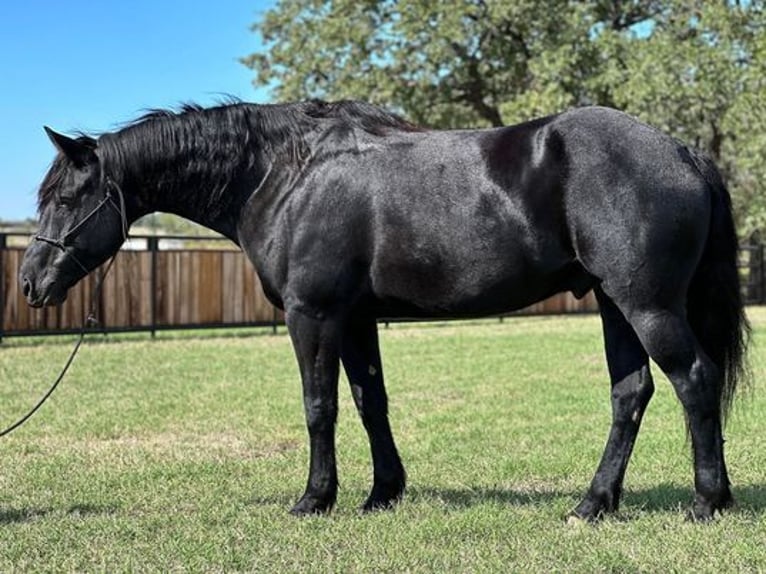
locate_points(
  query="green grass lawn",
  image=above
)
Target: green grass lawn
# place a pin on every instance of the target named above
(186, 452)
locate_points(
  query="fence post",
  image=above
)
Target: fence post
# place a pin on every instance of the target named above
(152, 243)
(3, 245)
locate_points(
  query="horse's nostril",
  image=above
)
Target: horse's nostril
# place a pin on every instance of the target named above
(26, 286)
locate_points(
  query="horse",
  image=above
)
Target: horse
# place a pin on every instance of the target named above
(350, 214)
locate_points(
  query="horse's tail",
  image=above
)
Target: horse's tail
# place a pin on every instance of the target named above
(714, 306)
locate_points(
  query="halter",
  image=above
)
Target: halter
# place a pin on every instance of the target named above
(90, 318)
(60, 242)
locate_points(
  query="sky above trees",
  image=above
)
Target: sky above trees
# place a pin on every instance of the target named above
(81, 65)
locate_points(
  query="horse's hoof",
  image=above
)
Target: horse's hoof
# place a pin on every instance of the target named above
(574, 521)
(704, 511)
(384, 497)
(592, 509)
(310, 505)
(700, 515)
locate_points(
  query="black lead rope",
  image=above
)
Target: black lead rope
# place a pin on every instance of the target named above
(44, 398)
(90, 319)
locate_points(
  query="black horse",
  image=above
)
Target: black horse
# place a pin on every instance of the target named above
(350, 213)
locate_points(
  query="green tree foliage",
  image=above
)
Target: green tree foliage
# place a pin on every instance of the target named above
(696, 69)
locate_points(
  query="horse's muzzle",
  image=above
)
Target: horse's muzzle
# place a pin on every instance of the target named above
(31, 293)
(41, 295)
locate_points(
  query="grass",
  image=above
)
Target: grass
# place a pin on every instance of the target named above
(185, 453)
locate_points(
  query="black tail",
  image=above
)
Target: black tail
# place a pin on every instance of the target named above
(715, 308)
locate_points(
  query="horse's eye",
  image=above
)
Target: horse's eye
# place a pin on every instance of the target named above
(67, 200)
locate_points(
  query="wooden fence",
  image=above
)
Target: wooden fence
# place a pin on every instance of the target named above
(148, 288)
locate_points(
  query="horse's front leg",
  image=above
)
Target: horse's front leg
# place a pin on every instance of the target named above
(316, 343)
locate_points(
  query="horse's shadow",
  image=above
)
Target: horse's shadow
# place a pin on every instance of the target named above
(30, 514)
(749, 498)
(468, 497)
(21, 515)
(661, 498)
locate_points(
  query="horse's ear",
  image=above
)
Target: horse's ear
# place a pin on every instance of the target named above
(79, 152)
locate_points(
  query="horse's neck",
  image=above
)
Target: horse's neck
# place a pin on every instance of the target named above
(196, 202)
(208, 177)
(209, 198)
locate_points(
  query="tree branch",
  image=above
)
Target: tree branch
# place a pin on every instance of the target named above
(474, 89)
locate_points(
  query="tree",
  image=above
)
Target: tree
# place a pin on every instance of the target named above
(701, 76)
(693, 68)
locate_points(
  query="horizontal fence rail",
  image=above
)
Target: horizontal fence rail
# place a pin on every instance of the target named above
(153, 284)
(171, 282)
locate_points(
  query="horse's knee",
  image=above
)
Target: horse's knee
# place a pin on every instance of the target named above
(320, 415)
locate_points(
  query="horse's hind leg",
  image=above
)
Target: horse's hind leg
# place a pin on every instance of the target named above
(632, 388)
(361, 359)
(671, 343)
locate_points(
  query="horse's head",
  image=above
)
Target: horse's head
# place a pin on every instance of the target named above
(82, 222)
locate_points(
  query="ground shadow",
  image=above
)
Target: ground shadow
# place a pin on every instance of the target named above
(666, 497)
(661, 498)
(86, 509)
(468, 497)
(22, 515)
(452, 498)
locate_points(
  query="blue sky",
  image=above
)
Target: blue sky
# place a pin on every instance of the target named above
(84, 65)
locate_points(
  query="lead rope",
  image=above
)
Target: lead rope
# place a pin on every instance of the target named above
(90, 319)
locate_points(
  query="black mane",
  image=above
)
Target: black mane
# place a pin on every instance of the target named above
(214, 142)
(370, 118)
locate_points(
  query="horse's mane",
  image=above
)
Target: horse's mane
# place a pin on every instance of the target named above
(272, 124)
(368, 117)
(224, 135)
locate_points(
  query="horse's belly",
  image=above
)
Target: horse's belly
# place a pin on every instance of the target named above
(479, 289)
